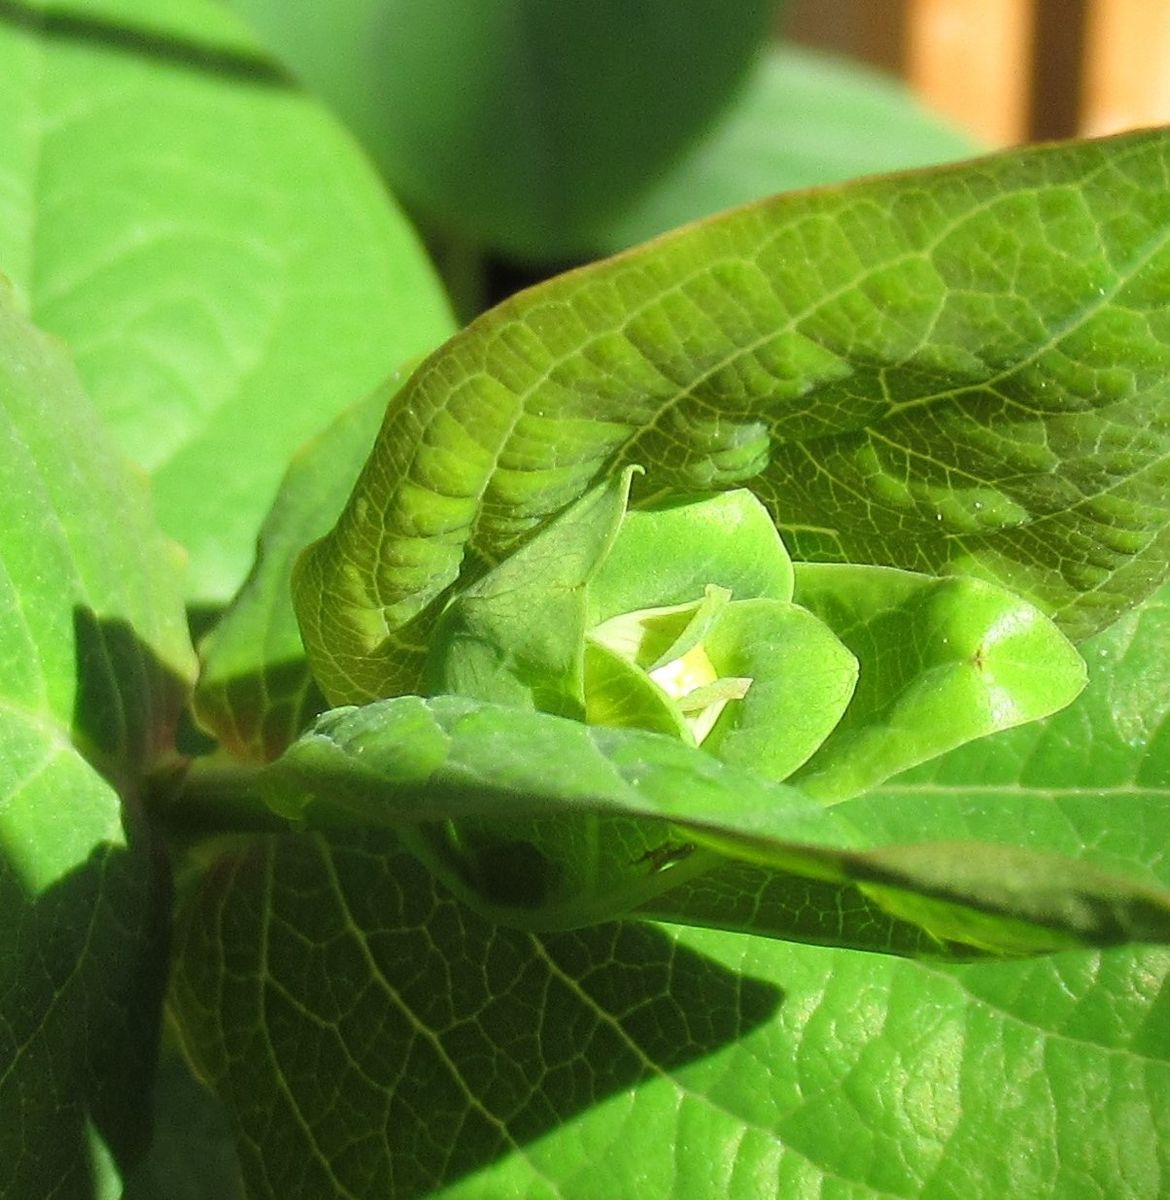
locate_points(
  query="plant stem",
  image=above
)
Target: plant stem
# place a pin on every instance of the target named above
(213, 798)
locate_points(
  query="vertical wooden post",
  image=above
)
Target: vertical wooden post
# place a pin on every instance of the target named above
(971, 61)
(1127, 65)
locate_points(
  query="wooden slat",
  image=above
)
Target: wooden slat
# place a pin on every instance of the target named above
(971, 61)
(1127, 65)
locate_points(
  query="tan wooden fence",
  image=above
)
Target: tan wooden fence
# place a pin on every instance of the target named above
(1011, 70)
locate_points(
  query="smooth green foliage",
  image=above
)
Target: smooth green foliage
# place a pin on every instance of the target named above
(840, 121)
(170, 206)
(519, 124)
(516, 636)
(94, 667)
(944, 661)
(947, 373)
(787, 710)
(662, 551)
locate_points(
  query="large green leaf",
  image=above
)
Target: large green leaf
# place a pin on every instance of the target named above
(372, 1038)
(799, 119)
(519, 123)
(172, 208)
(457, 1059)
(94, 666)
(959, 370)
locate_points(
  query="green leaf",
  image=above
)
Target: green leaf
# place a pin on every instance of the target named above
(799, 119)
(255, 692)
(1093, 780)
(170, 206)
(432, 986)
(517, 636)
(802, 681)
(619, 693)
(546, 823)
(959, 371)
(407, 761)
(655, 637)
(518, 124)
(535, 820)
(667, 553)
(476, 1061)
(943, 661)
(94, 669)
(522, 1039)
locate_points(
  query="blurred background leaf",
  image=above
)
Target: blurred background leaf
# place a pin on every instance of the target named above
(226, 267)
(519, 125)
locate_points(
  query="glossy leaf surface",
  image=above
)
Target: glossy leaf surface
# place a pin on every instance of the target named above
(943, 661)
(170, 206)
(961, 371)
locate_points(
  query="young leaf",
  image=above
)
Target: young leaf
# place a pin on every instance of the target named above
(667, 553)
(943, 661)
(546, 823)
(517, 636)
(95, 666)
(970, 357)
(802, 681)
(408, 761)
(170, 205)
(620, 693)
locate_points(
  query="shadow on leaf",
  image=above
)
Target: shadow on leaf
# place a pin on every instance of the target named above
(143, 42)
(85, 939)
(373, 1037)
